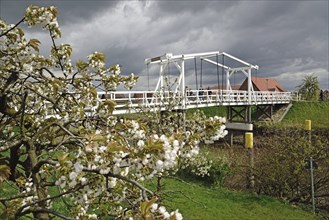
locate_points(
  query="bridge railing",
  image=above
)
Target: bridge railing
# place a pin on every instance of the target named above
(192, 98)
(236, 97)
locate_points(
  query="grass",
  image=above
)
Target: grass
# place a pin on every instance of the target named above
(201, 202)
(318, 112)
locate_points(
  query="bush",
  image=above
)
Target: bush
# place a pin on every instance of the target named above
(200, 167)
(280, 166)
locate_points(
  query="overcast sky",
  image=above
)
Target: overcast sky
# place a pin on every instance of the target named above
(286, 39)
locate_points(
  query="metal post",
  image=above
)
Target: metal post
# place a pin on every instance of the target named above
(161, 76)
(308, 128)
(228, 84)
(183, 92)
(249, 86)
(312, 184)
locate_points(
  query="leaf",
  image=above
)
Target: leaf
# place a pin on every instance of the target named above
(34, 43)
(93, 91)
(4, 172)
(109, 104)
(21, 32)
(145, 208)
(81, 65)
(54, 11)
(114, 147)
(9, 211)
(99, 138)
(62, 158)
(157, 146)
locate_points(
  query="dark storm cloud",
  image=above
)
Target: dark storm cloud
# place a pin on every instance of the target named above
(69, 10)
(287, 39)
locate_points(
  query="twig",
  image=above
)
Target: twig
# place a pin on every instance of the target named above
(19, 211)
(10, 145)
(122, 178)
(54, 213)
(6, 32)
(37, 167)
(55, 48)
(15, 197)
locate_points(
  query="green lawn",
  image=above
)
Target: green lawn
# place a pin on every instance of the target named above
(201, 202)
(318, 112)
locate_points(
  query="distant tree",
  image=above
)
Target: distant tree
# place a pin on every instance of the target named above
(310, 88)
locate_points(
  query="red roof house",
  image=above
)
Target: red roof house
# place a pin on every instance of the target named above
(263, 84)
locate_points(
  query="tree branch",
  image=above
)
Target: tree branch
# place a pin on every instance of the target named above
(10, 145)
(6, 32)
(51, 73)
(55, 47)
(20, 213)
(122, 178)
(3, 199)
(22, 127)
(37, 167)
(70, 133)
(54, 213)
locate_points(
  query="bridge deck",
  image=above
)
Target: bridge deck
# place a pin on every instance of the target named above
(136, 101)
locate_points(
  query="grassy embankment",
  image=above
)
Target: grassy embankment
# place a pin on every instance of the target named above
(318, 112)
(209, 203)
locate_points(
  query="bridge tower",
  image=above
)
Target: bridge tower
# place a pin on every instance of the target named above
(240, 111)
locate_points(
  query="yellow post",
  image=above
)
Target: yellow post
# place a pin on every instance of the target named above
(308, 125)
(249, 144)
(249, 140)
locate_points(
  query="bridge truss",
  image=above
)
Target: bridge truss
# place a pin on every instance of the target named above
(181, 99)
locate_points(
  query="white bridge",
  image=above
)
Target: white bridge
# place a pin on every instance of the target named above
(181, 98)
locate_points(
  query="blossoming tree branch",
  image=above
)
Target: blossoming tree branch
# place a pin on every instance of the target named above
(52, 151)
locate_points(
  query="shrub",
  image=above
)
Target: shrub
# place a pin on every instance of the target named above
(280, 166)
(200, 167)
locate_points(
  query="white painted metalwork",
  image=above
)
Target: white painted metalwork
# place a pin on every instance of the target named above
(178, 61)
(136, 101)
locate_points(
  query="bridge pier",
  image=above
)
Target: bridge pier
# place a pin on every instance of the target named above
(264, 111)
(238, 119)
(239, 114)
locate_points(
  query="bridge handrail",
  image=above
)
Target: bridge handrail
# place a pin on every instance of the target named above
(150, 98)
